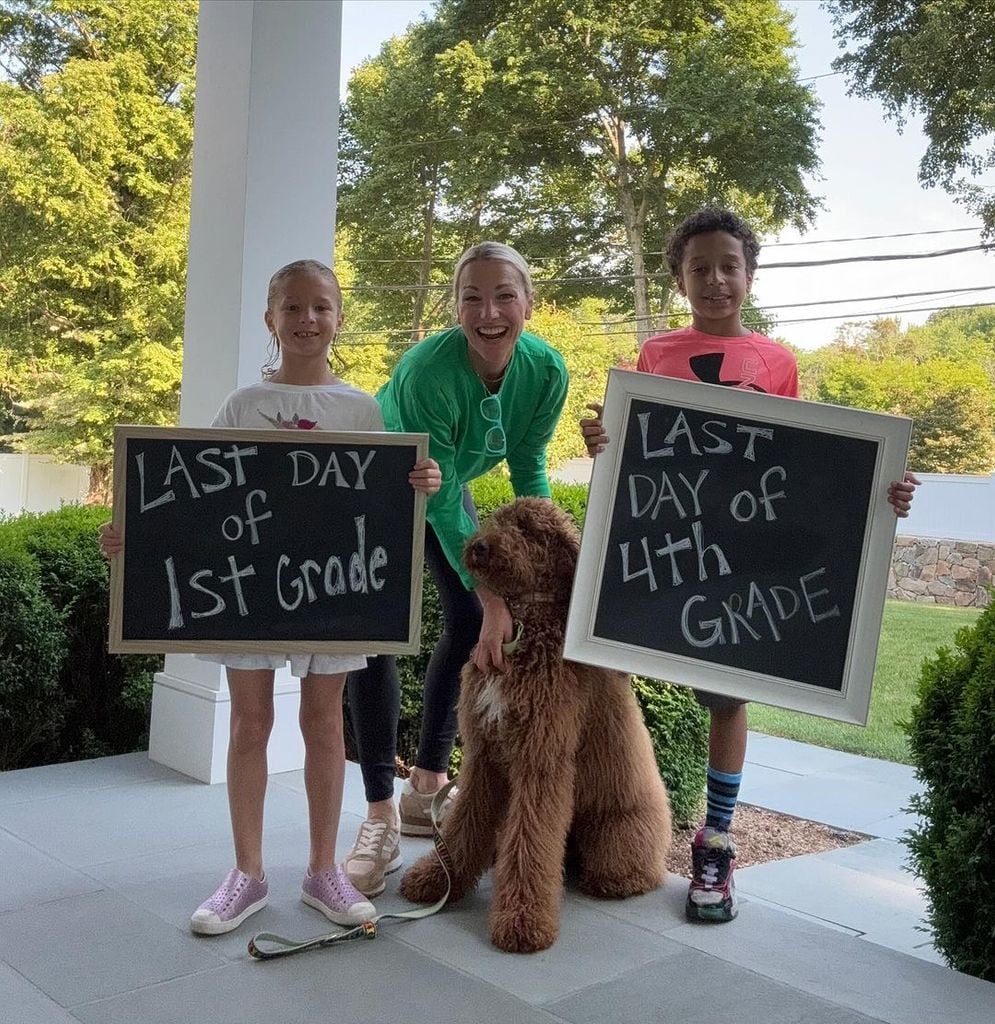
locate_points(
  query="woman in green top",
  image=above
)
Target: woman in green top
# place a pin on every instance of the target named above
(485, 392)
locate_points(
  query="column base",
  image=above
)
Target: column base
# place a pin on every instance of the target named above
(189, 731)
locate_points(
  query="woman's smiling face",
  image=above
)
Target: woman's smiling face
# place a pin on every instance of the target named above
(492, 306)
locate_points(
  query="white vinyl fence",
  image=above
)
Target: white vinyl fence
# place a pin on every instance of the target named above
(946, 505)
(37, 483)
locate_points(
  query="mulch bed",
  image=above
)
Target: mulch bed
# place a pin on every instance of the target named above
(762, 836)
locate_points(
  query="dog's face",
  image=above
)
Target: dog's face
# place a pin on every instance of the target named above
(528, 545)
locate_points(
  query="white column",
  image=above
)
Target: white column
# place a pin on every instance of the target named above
(264, 171)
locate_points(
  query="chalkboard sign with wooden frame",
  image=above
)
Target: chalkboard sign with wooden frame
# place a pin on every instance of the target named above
(278, 541)
(739, 543)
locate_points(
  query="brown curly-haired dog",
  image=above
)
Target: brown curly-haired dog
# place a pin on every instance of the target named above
(552, 750)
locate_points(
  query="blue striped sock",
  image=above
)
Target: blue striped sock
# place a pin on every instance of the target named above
(722, 790)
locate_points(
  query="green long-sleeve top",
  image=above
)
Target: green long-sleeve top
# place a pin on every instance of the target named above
(434, 390)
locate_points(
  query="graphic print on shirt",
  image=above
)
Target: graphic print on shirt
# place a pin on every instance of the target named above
(708, 369)
(295, 423)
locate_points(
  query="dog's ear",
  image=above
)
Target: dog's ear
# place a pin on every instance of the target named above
(565, 550)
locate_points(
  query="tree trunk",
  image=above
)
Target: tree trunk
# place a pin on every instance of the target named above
(667, 292)
(634, 218)
(425, 267)
(100, 491)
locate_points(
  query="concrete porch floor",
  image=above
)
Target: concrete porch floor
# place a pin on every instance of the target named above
(103, 861)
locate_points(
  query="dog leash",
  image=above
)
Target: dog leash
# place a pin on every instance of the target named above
(267, 946)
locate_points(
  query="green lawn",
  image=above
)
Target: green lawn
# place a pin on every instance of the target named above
(909, 634)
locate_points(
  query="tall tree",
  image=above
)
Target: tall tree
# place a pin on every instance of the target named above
(96, 124)
(962, 334)
(428, 165)
(662, 106)
(930, 57)
(578, 131)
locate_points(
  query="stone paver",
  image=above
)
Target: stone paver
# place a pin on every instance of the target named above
(103, 861)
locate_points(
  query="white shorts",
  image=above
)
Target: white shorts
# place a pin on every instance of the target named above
(301, 665)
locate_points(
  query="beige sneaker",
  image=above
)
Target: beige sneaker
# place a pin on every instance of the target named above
(416, 810)
(376, 853)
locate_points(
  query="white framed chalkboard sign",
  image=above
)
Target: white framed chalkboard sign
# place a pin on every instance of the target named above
(739, 543)
(266, 540)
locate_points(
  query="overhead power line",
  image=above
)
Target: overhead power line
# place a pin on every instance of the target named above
(670, 317)
(882, 313)
(590, 279)
(827, 74)
(868, 238)
(820, 302)
(876, 259)
(447, 261)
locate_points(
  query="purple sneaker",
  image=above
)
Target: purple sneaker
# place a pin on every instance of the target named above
(336, 897)
(237, 897)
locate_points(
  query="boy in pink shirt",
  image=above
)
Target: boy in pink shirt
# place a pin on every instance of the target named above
(713, 256)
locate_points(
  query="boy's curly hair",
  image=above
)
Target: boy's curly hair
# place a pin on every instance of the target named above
(704, 221)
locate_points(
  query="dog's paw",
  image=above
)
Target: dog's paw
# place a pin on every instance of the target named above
(425, 881)
(615, 887)
(521, 931)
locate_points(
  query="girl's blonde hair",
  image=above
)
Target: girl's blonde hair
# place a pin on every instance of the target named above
(302, 267)
(493, 251)
(290, 270)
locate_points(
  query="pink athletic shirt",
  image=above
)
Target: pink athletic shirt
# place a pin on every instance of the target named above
(753, 362)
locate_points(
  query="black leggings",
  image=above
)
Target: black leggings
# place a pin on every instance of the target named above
(375, 692)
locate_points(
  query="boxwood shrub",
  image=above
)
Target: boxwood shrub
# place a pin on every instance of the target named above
(105, 698)
(952, 741)
(33, 707)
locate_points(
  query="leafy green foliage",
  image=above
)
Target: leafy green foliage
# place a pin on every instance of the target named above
(589, 354)
(32, 649)
(96, 132)
(930, 57)
(578, 131)
(678, 726)
(941, 373)
(102, 700)
(950, 403)
(967, 335)
(952, 737)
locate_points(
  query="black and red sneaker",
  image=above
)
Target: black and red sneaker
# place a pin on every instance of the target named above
(712, 893)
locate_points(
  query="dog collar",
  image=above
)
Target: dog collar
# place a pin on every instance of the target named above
(512, 645)
(535, 597)
(539, 597)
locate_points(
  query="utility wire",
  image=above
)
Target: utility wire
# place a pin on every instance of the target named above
(589, 279)
(828, 74)
(819, 302)
(881, 313)
(677, 316)
(659, 252)
(867, 238)
(876, 259)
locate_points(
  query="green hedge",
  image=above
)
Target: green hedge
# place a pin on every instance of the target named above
(952, 740)
(102, 701)
(678, 726)
(32, 650)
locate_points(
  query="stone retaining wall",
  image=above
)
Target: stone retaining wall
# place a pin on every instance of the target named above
(935, 571)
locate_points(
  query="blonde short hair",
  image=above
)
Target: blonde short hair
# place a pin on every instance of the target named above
(493, 251)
